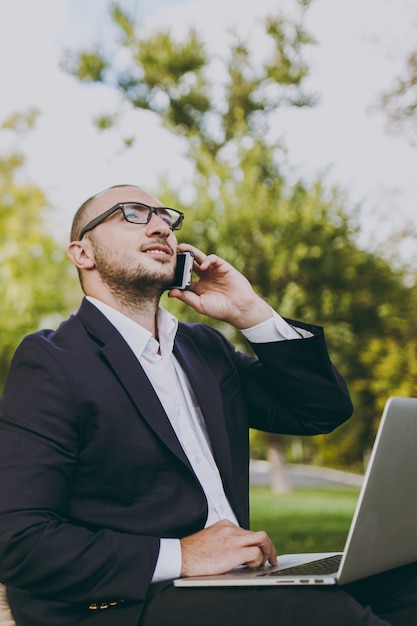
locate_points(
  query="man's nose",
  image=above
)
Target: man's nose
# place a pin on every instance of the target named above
(157, 225)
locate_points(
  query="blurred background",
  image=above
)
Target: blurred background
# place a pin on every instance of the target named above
(286, 130)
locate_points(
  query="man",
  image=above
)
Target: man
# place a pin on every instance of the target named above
(124, 438)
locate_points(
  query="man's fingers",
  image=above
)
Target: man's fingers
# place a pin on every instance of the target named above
(255, 557)
(224, 545)
(264, 549)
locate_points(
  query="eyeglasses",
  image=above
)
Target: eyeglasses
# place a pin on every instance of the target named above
(138, 213)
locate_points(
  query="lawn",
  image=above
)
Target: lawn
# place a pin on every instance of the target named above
(306, 520)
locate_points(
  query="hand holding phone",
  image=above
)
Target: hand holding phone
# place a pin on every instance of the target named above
(183, 271)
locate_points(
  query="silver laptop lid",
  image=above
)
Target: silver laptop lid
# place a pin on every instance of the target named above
(383, 533)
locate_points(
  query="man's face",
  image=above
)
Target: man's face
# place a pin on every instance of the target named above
(133, 260)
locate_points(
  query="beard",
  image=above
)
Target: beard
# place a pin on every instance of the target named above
(131, 286)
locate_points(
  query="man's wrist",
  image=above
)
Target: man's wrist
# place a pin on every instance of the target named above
(254, 314)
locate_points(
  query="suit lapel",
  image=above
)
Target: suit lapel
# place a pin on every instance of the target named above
(131, 375)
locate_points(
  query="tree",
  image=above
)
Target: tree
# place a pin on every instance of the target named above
(400, 102)
(35, 283)
(297, 243)
(156, 73)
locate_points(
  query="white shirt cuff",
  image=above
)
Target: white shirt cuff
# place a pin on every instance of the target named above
(168, 565)
(274, 329)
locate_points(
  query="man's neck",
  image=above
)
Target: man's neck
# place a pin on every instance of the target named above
(142, 312)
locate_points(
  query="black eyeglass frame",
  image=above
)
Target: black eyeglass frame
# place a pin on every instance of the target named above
(176, 225)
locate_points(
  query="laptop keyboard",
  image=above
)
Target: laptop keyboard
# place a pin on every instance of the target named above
(327, 565)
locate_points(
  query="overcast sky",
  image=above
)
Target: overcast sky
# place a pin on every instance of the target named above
(361, 48)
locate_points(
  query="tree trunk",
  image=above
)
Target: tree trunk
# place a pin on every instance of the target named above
(279, 481)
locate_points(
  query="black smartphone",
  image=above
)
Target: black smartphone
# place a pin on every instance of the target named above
(183, 271)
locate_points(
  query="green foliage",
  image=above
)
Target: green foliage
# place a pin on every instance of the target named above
(400, 102)
(157, 73)
(288, 66)
(297, 245)
(123, 21)
(90, 66)
(35, 283)
(21, 122)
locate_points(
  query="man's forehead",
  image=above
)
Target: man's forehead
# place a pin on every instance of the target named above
(108, 198)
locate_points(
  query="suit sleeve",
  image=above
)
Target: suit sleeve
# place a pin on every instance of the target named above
(39, 549)
(289, 387)
(293, 387)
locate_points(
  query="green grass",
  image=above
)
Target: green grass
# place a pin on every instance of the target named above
(306, 520)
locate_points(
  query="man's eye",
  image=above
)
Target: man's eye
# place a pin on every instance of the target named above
(136, 214)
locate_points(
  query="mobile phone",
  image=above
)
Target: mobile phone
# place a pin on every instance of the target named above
(183, 271)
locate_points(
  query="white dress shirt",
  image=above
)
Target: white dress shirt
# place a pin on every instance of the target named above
(177, 397)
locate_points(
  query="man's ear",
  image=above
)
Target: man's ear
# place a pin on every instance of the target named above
(81, 254)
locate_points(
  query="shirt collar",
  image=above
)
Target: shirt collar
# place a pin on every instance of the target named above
(135, 335)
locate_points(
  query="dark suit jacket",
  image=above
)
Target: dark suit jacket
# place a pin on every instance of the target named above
(92, 474)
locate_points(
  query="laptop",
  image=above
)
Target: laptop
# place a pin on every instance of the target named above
(383, 532)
